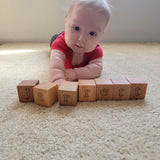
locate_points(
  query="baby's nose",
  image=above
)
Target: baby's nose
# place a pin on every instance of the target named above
(82, 38)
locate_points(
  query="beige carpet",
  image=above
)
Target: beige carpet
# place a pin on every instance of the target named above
(101, 130)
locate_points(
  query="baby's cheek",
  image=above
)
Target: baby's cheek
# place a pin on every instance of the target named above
(91, 47)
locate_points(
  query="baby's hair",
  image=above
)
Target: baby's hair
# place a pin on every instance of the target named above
(100, 6)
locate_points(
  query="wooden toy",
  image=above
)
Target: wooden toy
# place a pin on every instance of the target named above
(68, 93)
(121, 89)
(138, 88)
(87, 90)
(104, 89)
(25, 90)
(48, 93)
(45, 94)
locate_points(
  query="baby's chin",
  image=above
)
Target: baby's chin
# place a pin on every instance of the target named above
(81, 50)
(78, 52)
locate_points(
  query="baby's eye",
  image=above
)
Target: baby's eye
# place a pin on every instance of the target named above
(92, 34)
(76, 28)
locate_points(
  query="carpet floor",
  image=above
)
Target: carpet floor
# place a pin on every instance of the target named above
(101, 130)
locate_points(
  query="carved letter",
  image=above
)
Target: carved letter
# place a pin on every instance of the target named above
(137, 91)
(86, 92)
(66, 98)
(40, 97)
(26, 96)
(104, 92)
(121, 90)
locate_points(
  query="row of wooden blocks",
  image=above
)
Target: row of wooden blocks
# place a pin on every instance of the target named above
(69, 93)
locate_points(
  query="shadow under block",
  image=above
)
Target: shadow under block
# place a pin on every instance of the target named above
(121, 89)
(138, 88)
(25, 90)
(104, 89)
(68, 93)
(87, 90)
(45, 94)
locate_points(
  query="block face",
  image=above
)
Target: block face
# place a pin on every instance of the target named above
(40, 97)
(121, 89)
(138, 88)
(45, 94)
(67, 98)
(104, 89)
(25, 90)
(87, 90)
(68, 93)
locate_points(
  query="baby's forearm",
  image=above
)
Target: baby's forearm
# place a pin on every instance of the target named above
(92, 70)
(56, 66)
(58, 73)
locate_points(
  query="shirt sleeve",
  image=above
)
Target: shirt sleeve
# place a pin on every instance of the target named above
(60, 44)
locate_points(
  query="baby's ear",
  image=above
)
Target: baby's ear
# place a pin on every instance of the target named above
(65, 21)
(102, 33)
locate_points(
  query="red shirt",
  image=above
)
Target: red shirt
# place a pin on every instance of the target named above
(61, 45)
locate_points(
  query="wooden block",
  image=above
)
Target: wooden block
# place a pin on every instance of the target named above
(104, 89)
(45, 94)
(25, 90)
(138, 88)
(68, 93)
(87, 90)
(121, 89)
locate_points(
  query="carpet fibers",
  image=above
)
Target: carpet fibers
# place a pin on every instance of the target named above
(101, 130)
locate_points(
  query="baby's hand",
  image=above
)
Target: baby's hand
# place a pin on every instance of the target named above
(59, 81)
(70, 75)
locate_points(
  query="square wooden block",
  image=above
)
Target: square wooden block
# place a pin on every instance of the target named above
(104, 89)
(121, 89)
(87, 90)
(45, 94)
(25, 90)
(138, 88)
(68, 93)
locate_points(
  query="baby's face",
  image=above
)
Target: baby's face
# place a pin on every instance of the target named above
(83, 29)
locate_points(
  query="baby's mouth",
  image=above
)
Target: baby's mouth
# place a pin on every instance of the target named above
(78, 46)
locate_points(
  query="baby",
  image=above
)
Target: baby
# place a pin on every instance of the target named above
(76, 54)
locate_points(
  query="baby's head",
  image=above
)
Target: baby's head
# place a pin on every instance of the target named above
(100, 6)
(85, 24)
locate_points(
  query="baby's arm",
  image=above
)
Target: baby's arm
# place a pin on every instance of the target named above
(56, 66)
(92, 70)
